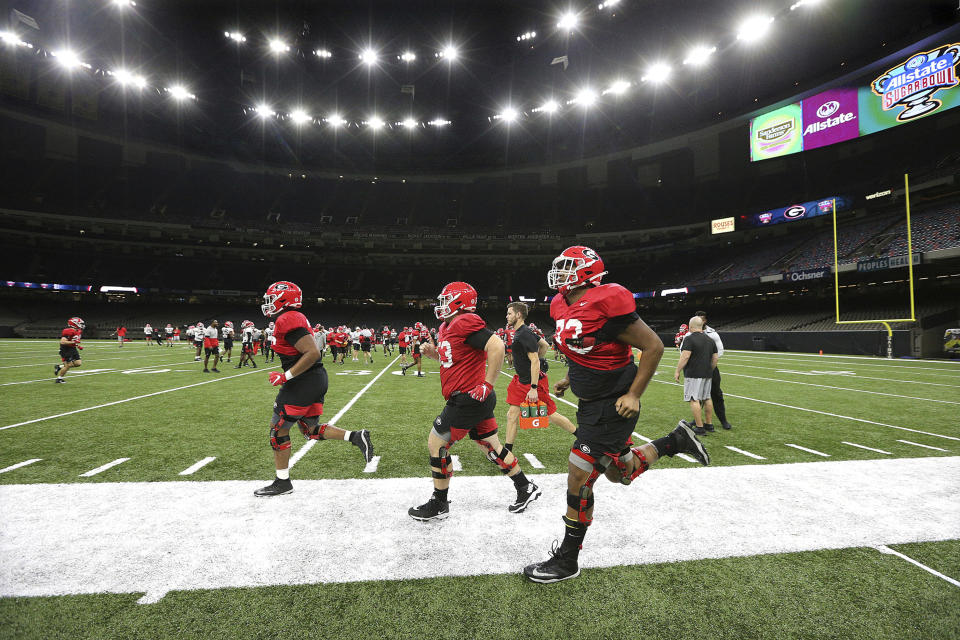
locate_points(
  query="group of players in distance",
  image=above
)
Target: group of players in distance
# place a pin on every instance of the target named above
(597, 328)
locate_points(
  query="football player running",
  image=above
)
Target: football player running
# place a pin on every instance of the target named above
(303, 385)
(597, 326)
(471, 357)
(70, 348)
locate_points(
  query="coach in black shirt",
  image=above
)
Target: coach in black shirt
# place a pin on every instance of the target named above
(698, 359)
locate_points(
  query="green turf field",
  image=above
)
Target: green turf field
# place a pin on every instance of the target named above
(152, 409)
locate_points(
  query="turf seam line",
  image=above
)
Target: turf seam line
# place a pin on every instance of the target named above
(20, 464)
(860, 446)
(887, 550)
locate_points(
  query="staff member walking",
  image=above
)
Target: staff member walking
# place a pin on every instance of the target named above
(716, 394)
(698, 358)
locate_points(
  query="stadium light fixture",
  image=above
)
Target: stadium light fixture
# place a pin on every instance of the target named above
(326, 54)
(550, 106)
(527, 35)
(617, 88)
(368, 57)
(449, 53)
(438, 122)
(12, 39)
(278, 46)
(657, 73)
(607, 4)
(804, 3)
(127, 79)
(123, 4)
(179, 92)
(409, 123)
(568, 22)
(264, 111)
(299, 116)
(236, 36)
(585, 98)
(335, 120)
(508, 115)
(754, 28)
(699, 55)
(68, 59)
(408, 56)
(376, 123)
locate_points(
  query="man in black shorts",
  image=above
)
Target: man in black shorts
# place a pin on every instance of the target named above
(303, 385)
(597, 326)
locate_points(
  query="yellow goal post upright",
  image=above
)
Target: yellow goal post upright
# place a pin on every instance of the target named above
(836, 274)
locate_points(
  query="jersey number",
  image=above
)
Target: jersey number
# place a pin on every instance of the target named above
(575, 327)
(445, 354)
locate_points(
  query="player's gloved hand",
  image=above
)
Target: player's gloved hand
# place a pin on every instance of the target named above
(277, 378)
(80, 347)
(482, 391)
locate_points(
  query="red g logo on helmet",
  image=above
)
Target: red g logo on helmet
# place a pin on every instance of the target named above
(77, 323)
(575, 267)
(281, 296)
(454, 297)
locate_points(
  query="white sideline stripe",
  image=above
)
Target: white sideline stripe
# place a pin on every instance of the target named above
(746, 453)
(534, 462)
(302, 451)
(128, 537)
(925, 446)
(20, 464)
(94, 472)
(813, 451)
(677, 455)
(50, 359)
(148, 395)
(97, 372)
(854, 444)
(372, 465)
(832, 415)
(920, 370)
(197, 466)
(885, 549)
(455, 463)
(827, 386)
(876, 359)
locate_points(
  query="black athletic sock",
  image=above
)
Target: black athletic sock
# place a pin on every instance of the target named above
(441, 494)
(520, 481)
(508, 446)
(667, 445)
(573, 534)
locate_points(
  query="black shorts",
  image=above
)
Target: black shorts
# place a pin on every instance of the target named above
(403, 351)
(69, 354)
(246, 347)
(356, 346)
(211, 351)
(303, 395)
(365, 347)
(600, 429)
(228, 343)
(463, 412)
(198, 344)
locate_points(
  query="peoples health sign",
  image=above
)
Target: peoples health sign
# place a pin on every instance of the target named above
(923, 83)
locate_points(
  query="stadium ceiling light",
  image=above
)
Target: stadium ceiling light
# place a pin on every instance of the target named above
(508, 115)
(335, 120)
(323, 53)
(236, 36)
(278, 46)
(617, 88)
(754, 28)
(123, 4)
(438, 122)
(264, 111)
(408, 56)
(375, 123)
(12, 39)
(804, 3)
(448, 53)
(699, 55)
(179, 92)
(368, 57)
(127, 78)
(550, 106)
(299, 116)
(568, 21)
(585, 97)
(528, 35)
(657, 72)
(409, 123)
(608, 4)
(68, 59)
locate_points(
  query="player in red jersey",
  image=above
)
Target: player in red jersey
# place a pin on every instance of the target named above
(470, 357)
(303, 385)
(421, 338)
(678, 339)
(70, 348)
(597, 326)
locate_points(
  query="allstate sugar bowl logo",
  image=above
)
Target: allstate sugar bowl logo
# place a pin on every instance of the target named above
(912, 85)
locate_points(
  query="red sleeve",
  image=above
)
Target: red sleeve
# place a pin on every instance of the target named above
(618, 301)
(470, 323)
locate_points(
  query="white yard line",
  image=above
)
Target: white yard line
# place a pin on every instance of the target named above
(875, 359)
(827, 413)
(97, 372)
(746, 453)
(925, 446)
(302, 451)
(455, 463)
(102, 468)
(860, 446)
(189, 471)
(534, 462)
(372, 465)
(148, 395)
(813, 451)
(885, 549)
(20, 464)
(128, 537)
(53, 359)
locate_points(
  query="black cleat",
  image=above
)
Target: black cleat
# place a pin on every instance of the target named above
(206, 370)
(433, 509)
(690, 444)
(708, 428)
(558, 567)
(693, 427)
(56, 369)
(727, 426)
(215, 370)
(361, 440)
(278, 488)
(420, 375)
(59, 380)
(524, 497)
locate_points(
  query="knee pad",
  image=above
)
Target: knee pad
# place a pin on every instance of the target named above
(498, 458)
(443, 462)
(278, 442)
(582, 503)
(642, 465)
(314, 431)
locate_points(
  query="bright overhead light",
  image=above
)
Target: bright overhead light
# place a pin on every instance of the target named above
(804, 3)
(123, 4)
(68, 59)
(438, 122)
(299, 116)
(335, 120)
(278, 46)
(617, 88)
(409, 123)
(375, 122)
(448, 53)
(657, 72)
(568, 21)
(509, 115)
(323, 53)
(607, 4)
(127, 78)
(408, 56)
(12, 39)
(236, 36)
(368, 57)
(699, 55)
(264, 111)
(179, 92)
(754, 28)
(550, 106)
(585, 97)
(529, 35)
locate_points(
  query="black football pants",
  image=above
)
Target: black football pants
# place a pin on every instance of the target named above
(716, 395)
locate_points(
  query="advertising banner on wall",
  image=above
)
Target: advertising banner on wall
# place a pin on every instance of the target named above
(802, 211)
(777, 133)
(722, 225)
(830, 117)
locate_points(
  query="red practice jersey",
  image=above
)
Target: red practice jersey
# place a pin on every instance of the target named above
(289, 327)
(579, 324)
(462, 367)
(71, 334)
(403, 339)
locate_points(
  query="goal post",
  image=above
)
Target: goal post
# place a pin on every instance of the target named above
(836, 274)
